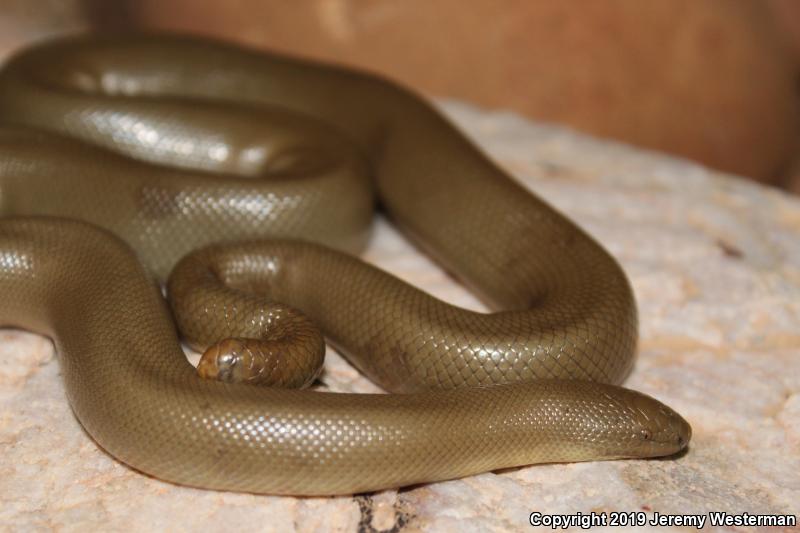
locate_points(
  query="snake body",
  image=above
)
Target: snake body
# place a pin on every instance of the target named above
(130, 133)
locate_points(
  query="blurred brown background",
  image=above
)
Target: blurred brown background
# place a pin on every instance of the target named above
(713, 80)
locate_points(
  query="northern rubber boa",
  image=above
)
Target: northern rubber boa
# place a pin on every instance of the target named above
(176, 144)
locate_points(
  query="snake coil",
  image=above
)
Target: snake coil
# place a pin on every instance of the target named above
(175, 144)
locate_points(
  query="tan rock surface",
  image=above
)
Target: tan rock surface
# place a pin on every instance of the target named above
(715, 264)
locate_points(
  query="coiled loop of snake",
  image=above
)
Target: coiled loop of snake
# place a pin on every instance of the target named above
(565, 335)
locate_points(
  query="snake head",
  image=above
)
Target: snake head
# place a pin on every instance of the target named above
(585, 421)
(645, 427)
(662, 431)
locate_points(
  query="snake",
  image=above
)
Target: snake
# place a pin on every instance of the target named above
(256, 176)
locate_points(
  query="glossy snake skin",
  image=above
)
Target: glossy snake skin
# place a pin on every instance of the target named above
(132, 134)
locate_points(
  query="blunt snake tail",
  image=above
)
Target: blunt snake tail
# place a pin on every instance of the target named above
(253, 162)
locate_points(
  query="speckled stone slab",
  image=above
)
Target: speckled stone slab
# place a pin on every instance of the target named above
(715, 264)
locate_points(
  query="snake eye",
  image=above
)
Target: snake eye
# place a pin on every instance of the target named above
(646, 434)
